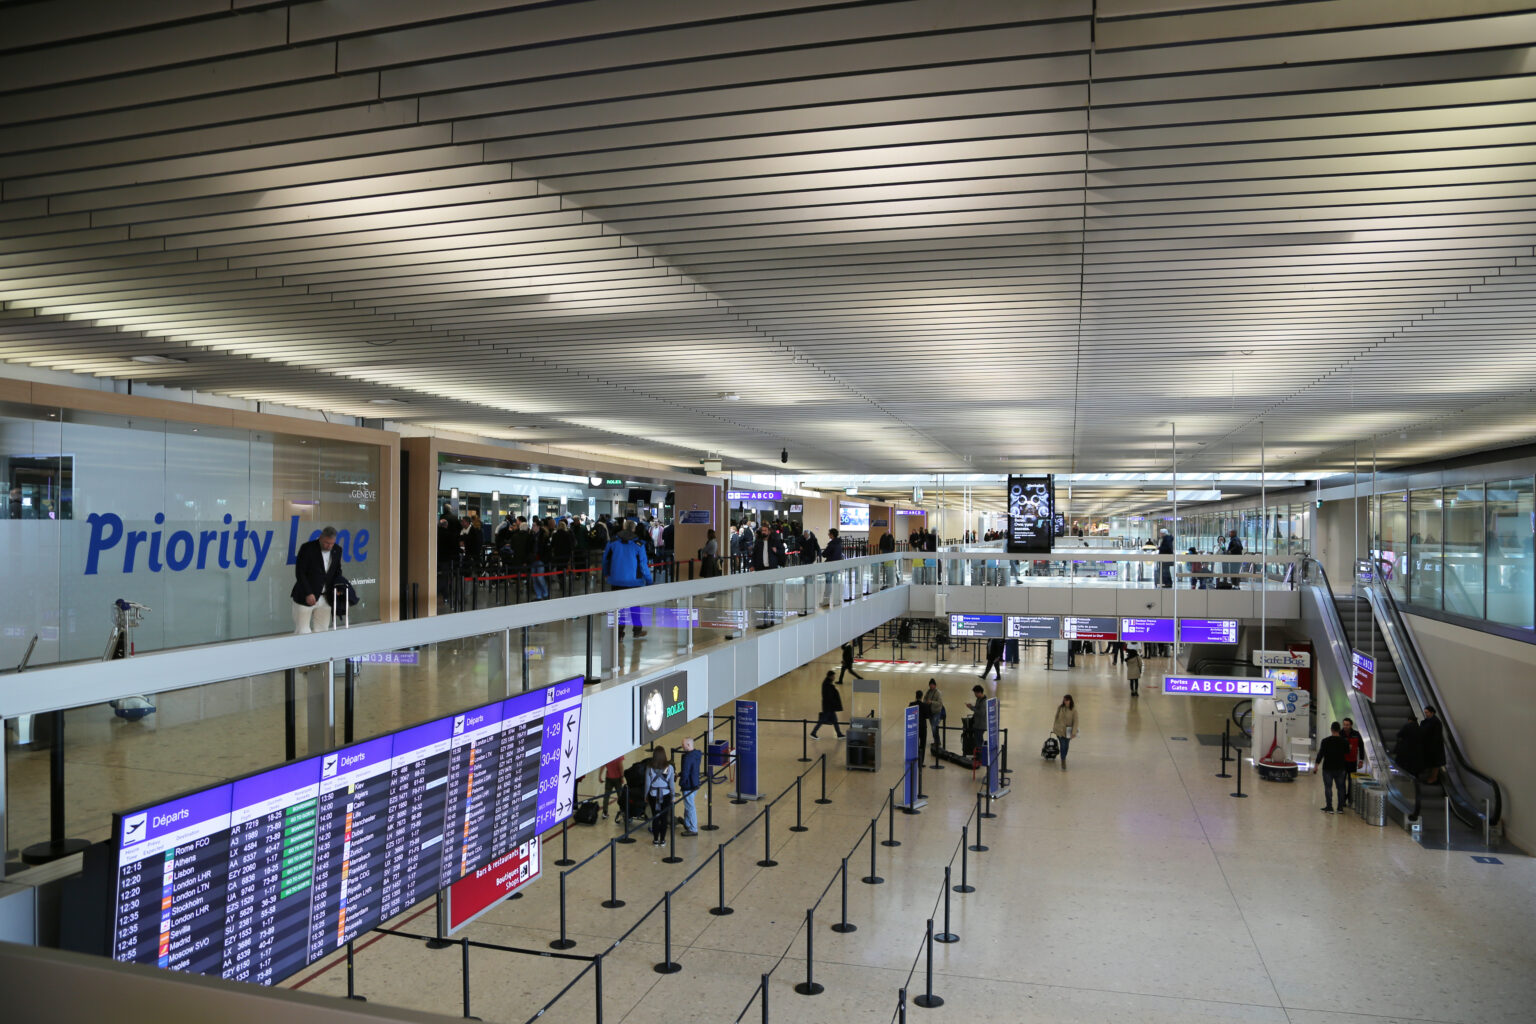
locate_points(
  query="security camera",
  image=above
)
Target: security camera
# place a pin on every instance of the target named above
(784, 455)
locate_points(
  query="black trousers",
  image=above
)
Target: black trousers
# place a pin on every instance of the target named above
(998, 662)
(849, 670)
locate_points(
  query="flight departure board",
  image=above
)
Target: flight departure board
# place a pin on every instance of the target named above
(253, 879)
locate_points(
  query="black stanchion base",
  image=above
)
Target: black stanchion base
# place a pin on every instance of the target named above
(805, 760)
(440, 943)
(356, 999)
(928, 1002)
(913, 810)
(625, 840)
(945, 937)
(890, 842)
(810, 988)
(514, 896)
(708, 828)
(978, 848)
(562, 944)
(672, 860)
(612, 904)
(1240, 796)
(984, 814)
(1223, 774)
(872, 880)
(738, 800)
(564, 862)
(767, 862)
(668, 968)
(844, 927)
(722, 911)
(799, 828)
(963, 888)
(823, 800)
(43, 853)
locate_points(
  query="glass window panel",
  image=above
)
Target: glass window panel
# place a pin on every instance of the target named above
(1391, 547)
(1509, 577)
(1464, 544)
(1425, 527)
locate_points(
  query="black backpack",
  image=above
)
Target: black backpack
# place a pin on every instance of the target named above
(1051, 748)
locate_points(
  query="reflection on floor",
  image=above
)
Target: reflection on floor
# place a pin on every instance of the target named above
(1131, 887)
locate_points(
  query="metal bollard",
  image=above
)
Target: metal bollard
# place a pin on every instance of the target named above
(946, 935)
(890, 827)
(823, 798)
(977, 846)
(805, 726)
(464, 945)
(798, 826)
(765, 999)
(1240, 794)
(563, 942)
(667, 965)
(928, 1000)
(709, 801)
(597, 979)
(565, 860)
(809, 987)
(351, 988)
(872, 878)
(767, 861)
(964, 885)
(721, 910)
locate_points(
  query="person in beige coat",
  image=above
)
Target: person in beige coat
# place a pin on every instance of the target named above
(1065, 726)
(1133, 668)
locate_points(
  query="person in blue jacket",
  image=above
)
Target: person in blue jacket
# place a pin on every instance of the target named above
(625, 566)
(688, 781)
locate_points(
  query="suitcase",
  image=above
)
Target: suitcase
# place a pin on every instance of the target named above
(1051, 748)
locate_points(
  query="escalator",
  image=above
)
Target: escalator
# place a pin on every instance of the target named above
(1369, 621)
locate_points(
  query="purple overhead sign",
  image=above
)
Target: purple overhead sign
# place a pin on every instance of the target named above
(1212, 686)
(754, 495)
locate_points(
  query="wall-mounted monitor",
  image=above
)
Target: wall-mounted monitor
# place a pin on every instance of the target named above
(1031, 513)
(853, 517)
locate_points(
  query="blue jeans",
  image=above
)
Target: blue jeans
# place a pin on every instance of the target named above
(539, 583)
(690, 813)
(1064, 743)
(1333, 780)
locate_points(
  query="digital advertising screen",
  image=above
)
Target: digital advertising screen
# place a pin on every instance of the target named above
(662, 705)
(853, 517)
(254, 879)
(1031, 513)
(1208, 631)
(1153, 631)
(1033, 627)
(1090, 627)
(982, 627)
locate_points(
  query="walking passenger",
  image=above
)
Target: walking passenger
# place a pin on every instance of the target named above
(1065, 726)
(831, 704)
(1133, 667)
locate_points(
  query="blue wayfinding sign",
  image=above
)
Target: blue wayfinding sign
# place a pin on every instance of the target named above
(746, 748)
(994, 744)
(909, 786)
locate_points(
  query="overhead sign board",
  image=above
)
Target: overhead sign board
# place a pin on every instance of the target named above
(1208, 631)
(695, 517)
(1156, 631)
(911, 512)
(1282, 659)
(479, 892)
(1090, 627)
(1215, 686)
(982, 627)
(755, 495)
(1033, 627)
(1364, 677)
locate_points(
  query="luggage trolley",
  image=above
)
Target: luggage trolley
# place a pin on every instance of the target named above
(126, 617)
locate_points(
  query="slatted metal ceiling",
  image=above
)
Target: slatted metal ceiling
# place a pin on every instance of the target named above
(911, 235)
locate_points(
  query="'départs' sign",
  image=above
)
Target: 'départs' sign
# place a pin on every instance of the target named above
(238, 545)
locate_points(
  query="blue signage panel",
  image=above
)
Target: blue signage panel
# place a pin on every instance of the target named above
(1155, 631)
(911, 755)
(1213, 686)
(746, 748)
(754, 495)
(1208, 631)
(994, 744)
(1034, 627)
(695, 517)
(986, 627)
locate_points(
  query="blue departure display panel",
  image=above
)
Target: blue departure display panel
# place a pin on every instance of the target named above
(1208, 631)
(985, 627)
(254, 879)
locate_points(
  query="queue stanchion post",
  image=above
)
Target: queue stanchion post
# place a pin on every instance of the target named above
(928, 1000)
(810, 987)
(564, 941)
(890, 827)
(464, 974)
(626, 838)
(874, 828)
(946, 935)
(1240, 794)
(597, 986)
(1226, 741)
(351, 977)
(721, 910)
(844, 925)
(805, 726)
(709, 800)
(763, 991)
(667, 965)
(965, 886)
(671, 857)
(823, 798)
(613, 902)
(977, 846)
(798, 826)
(565, 860)
(768, 861)
(988, 812)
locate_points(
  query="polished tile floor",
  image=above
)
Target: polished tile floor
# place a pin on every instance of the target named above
(1131, 887)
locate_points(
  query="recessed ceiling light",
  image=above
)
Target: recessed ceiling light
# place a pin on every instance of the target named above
(730, 396)
(157, 359)
(385, 401)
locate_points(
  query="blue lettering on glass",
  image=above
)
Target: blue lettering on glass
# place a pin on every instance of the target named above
(241, 547)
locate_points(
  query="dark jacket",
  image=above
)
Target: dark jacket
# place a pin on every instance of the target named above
(831, 700)
(887, 543)
(833, 552)
(1165, 544)
(810, 548)
(1332, 753)
(1235, 547)
(767, 551)
(544, 547)
(448, 539)
(1408, 751)
(562, 544)
(847, 655)
(688, 777)
(1431, 743)
(520, 547)
(311, 577)
(994, 650)
(930, 542)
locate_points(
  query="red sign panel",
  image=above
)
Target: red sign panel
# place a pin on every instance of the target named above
(476, 893)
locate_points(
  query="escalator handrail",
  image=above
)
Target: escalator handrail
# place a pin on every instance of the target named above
(1421, 685)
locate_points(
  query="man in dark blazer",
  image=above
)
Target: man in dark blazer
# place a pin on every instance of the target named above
(317, 572)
